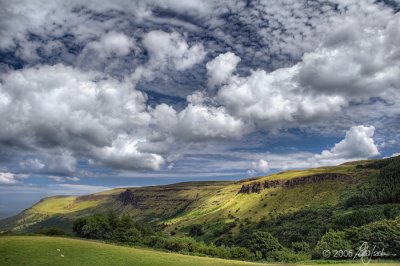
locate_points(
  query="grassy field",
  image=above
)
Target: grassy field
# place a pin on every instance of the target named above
(38, 250)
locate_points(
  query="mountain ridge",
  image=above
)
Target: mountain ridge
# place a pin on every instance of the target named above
(217, 205)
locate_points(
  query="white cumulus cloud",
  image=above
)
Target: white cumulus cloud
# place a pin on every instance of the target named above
(112, 44)
(273, 100)
(261, 166)
(172, 49)
(220, 69)
(357, 144)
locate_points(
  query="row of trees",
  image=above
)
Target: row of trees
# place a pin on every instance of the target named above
(256, 245)
(386, 188)
(111, 227)
(253, 242)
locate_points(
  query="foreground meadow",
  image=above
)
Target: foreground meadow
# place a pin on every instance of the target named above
(39, 250)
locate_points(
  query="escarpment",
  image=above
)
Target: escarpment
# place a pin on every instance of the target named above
(128, 198)
(151, 199)
(256, 187)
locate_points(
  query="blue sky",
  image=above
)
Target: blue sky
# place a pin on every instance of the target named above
(106, 94)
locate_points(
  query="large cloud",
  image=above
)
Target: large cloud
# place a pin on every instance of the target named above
(49, 107)
(362, 62)
(124, 154)
(273, 100)
(357, 144)
(199, 122)
(62, 113)
(357, 68)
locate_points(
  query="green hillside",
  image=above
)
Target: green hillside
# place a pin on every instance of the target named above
(181, 205)
(301, 212)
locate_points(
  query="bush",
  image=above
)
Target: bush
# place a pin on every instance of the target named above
(300, 247)
(196, 230)
(332, 240)
(96, 226)
(221, 228)
(241, 253)
(262, 242)
(51, 231)
(383, 235)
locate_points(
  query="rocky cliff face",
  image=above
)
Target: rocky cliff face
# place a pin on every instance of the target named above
(128, 198)
(256, 187)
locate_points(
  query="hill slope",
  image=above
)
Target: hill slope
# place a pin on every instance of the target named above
(220, 207)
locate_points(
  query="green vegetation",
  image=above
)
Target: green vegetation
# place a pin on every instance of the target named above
(385, 189)
(260, 245)
(285, 217)
(43, 251)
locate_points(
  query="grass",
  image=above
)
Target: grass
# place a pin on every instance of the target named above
(40, 250)
(63, 204)
(268, 203)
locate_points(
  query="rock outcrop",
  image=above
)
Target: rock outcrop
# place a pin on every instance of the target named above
(128, 198)
(256, 187)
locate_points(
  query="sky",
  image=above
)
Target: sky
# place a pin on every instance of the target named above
(102, 94)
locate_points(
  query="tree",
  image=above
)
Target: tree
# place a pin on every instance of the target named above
(300, 247)
(196, 230)
(332, 240)
(241, 253)
(262, 242)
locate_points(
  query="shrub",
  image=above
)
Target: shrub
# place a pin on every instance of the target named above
(263, 242)
(300, 247)
(196, 230)
(51, 231)
(241, 253)
(381, 235)
(332, 240)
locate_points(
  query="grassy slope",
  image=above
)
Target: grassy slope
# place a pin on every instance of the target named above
(227, 204)
(42, 251)
(181, 205)
(35, 250)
